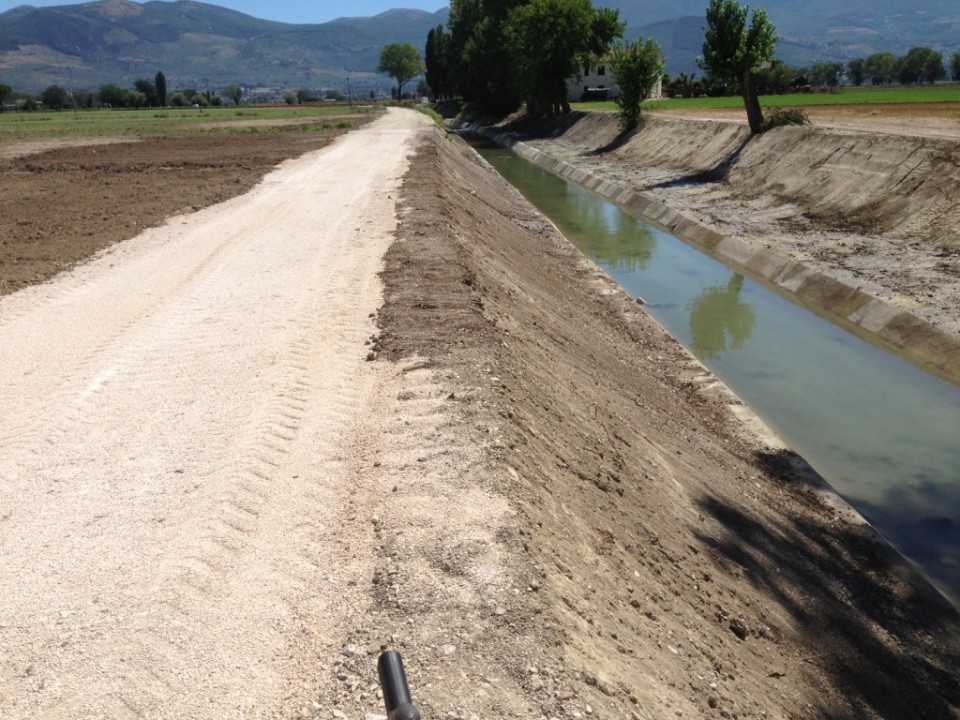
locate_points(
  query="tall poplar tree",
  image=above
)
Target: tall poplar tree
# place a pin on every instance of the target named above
(732, 51)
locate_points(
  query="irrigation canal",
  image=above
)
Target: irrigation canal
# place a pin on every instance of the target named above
(884, 434)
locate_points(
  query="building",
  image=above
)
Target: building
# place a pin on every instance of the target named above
(598, 83)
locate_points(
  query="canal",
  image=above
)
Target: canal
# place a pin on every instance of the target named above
(884, 434)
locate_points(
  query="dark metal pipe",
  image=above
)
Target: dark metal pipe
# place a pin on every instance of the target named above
(396, 692)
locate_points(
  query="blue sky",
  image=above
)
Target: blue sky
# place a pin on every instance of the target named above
(293, 11)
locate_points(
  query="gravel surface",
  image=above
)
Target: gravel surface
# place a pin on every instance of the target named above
(186, 423)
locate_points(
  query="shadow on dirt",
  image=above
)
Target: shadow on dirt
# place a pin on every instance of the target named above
(834, 578)
(718, 173)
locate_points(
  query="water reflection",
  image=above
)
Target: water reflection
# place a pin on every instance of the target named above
(609, 236)
(718, 314)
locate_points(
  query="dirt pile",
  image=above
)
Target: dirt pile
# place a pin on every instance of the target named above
(664, 564)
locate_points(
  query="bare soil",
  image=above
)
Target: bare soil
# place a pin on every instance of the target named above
(531, 490)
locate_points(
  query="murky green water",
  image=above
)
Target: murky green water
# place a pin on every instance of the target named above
(884, 434)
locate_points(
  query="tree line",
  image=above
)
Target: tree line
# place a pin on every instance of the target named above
(500, 54)
(144, 93)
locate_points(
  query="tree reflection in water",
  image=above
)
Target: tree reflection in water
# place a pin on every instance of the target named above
(716, 314)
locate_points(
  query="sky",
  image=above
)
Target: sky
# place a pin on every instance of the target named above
(292, 11)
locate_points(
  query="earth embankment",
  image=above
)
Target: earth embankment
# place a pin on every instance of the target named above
(862, 226)
(669, 565)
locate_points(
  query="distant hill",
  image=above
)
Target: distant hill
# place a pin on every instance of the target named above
(196, 45)
(810, 31)
(208, 47)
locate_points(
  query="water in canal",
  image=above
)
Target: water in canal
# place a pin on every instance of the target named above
(884, 434)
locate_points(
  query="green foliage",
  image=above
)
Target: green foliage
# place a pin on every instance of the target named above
(856, 69)
(547, 40)
(826, 74)
(502, 52)
(55, 98)
(402, 62)
(879, 67)
(683, 86)
(438, 62)
(955, 66)
(778, 117)
(149, 91)
(732, 51)
(637, 66)
(290, 97)
(920, 64)
(235, 93)
(5, 92)
(776, 78)
(160, 83)
(731, 48)
(480, 60)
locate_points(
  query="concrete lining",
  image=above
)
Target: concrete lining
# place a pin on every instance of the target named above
(871, 318)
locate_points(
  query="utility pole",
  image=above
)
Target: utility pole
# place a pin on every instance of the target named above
(349, 92)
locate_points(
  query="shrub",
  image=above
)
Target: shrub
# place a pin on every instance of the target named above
(777, 117)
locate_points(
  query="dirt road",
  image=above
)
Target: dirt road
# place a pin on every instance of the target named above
(185, 421)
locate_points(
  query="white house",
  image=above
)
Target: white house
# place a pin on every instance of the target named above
(598, 83)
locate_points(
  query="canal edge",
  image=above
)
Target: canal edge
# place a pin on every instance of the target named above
(750, 426)
(867, 316)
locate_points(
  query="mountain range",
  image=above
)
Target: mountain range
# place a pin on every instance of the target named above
(204, 46)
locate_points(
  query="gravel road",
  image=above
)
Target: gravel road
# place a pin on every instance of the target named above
(184, 421)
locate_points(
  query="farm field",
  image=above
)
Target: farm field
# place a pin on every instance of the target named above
(931, 111)
(166, 122)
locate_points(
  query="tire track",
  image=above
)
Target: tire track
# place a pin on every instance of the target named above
(186, 468)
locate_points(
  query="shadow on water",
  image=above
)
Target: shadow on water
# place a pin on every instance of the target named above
(838, 604)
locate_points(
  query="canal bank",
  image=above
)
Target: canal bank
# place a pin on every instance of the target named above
(880, 431)
(673, 566)
(854, 227)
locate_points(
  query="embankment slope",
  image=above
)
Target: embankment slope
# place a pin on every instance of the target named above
(861, 226)
(674, 567)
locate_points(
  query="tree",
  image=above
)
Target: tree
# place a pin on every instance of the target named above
(5, 92)
(55, 98)
(637, 66)
(549, 41)
(112, 96)
(149, 91)
(437, 61)
(879, 68)
(955, 66)
(920, 64)
(290, 97)
(732, 51)
(481, 67)
(856, 69)
(826, 74)
(776, 78)
(235, 93)
(160, 82)
(402, 62)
